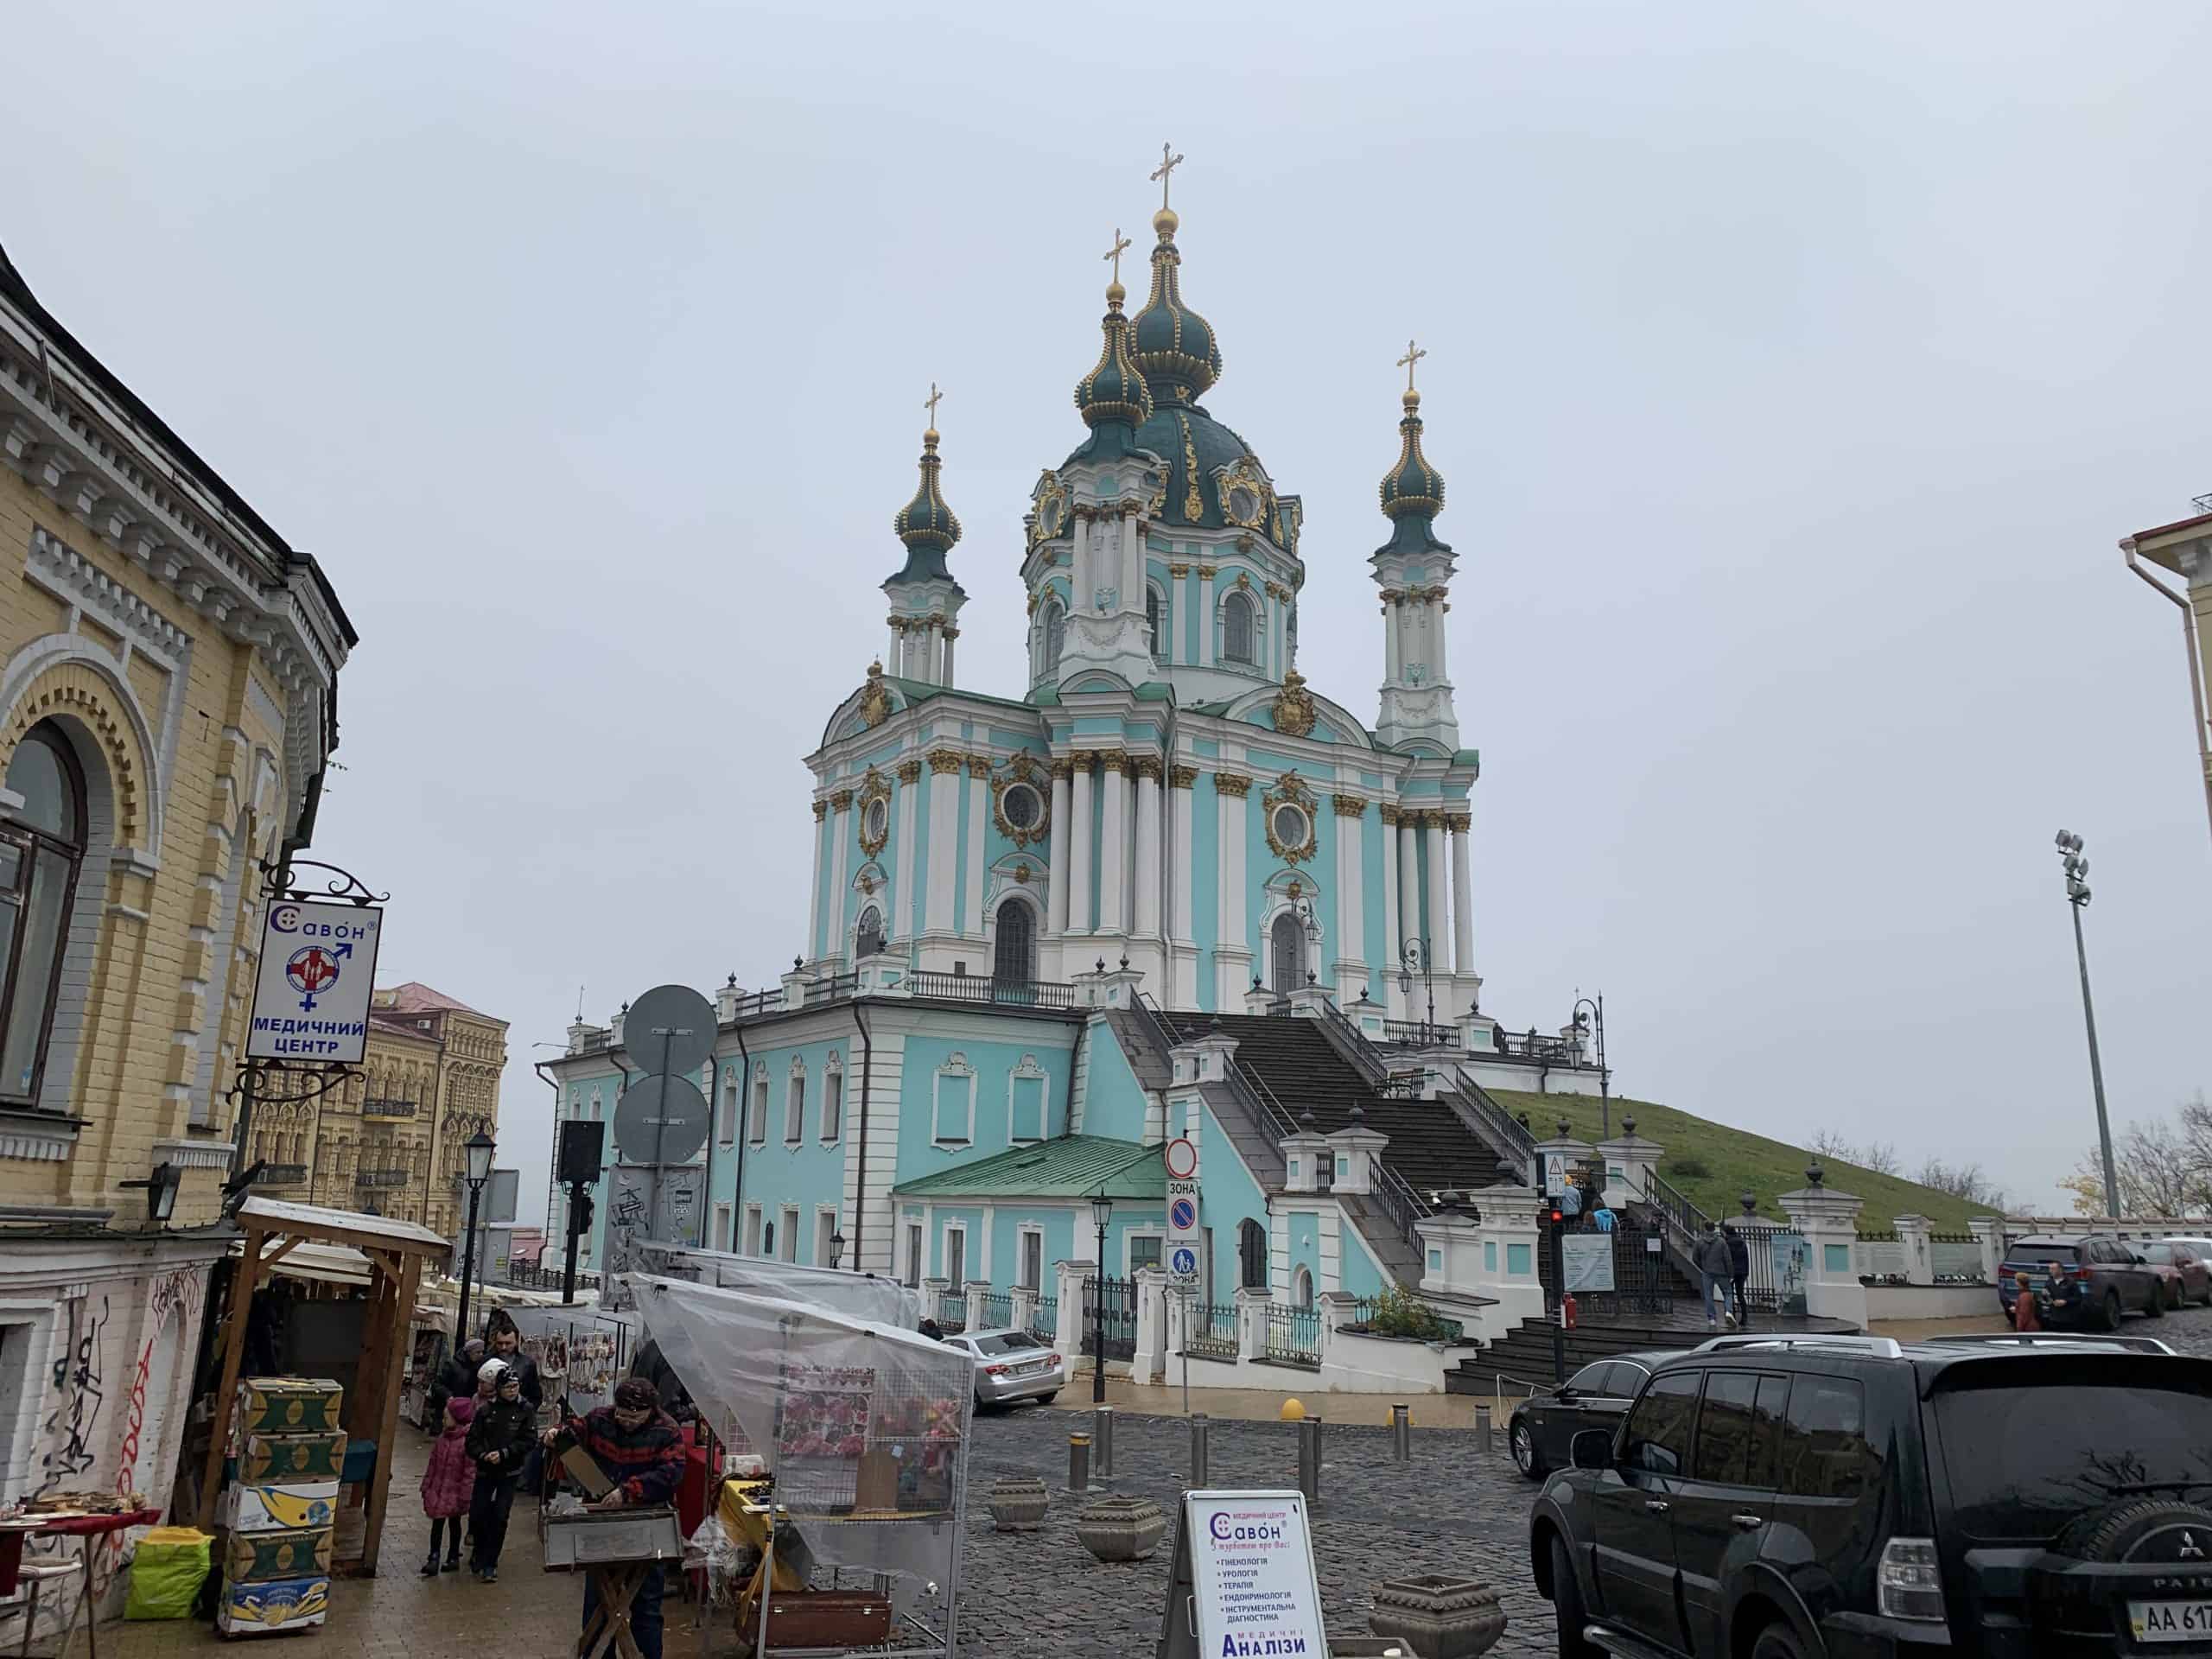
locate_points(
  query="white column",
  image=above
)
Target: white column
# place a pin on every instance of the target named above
(841, 836)
(1390, 642)
(1438, 605)
(891, 651)
(1439, 919)
(1058, 850)
(1351, 936)
(932, 648)
(951, 634)
(1205, 615)
(1408, 876)
(1183, 877)
(1079, 847)
(1391, 935)
(898, 903)
(1114, 844)
(1232, 860)
(1463, 883)
(1148, 883)
(979, 810)
(814, 886)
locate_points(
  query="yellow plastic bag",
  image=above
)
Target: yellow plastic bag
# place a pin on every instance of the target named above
(165, 1575)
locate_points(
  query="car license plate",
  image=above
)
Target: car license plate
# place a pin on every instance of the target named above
(2169, 1621)
(1029, 1369)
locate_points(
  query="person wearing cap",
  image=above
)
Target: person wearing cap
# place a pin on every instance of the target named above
(499, 1442)
(456, 1379)
(641, 1450)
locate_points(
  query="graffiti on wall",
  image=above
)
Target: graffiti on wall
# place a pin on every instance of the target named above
(80, 1392)
(169, 1312)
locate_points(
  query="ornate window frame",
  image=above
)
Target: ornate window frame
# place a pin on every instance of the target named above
(1028, 1069)
(1023, 769)
(833, 1069)
(955, 1069)
(1291, 790)
(874, 790)
(795, 1102)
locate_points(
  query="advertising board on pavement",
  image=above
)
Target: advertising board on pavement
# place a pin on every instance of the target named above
(1243, 1583)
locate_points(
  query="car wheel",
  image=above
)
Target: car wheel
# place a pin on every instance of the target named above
(1566, 1606)
(1524, 1452)
(2173, 1295)
(1777, 1642)
(2111, 1313)
(1047, 1399)
(2155, 1306)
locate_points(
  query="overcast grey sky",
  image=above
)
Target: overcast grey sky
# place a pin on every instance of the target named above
(1795, 369)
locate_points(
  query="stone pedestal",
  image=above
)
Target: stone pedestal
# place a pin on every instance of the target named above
(1575, 1153)
(1150, 1362)
(1630, 1161)
(1303, 1161)
(1917, 1234)
(1106, 986)
(1068, 1335)
(1989, 1235)
(1258, 999)
(933, 1297)
(1508, 1271)
(1355, 1150)
(1452, 1253)
(1311, 1003)
(1829, 1221)
(1022, 1300)
(1252, 1322)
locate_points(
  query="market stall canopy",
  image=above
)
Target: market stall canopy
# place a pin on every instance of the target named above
(337, 1264)
(320, 1221)
(857, 1295)
(864, 1425)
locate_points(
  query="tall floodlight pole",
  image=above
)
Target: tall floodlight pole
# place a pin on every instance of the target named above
(2077, 899)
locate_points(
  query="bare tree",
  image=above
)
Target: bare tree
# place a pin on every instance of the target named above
(1879, 1156)
(2164, 1164)
(1829, 1145)
(1967, 1181)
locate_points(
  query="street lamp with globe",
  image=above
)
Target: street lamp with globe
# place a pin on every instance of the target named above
(477, 1150)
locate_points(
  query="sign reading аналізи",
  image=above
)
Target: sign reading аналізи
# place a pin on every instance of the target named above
(311, 987)
(1242, 1584)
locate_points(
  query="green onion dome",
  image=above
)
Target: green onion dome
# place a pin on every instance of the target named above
(1114, 389)
(1412, 491)
(1175, 346)
(927, 526)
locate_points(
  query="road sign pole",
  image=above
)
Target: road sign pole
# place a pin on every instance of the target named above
(660, 1139)
(1187, 1353)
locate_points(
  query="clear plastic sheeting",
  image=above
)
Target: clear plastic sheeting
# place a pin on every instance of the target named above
(864, 1425)
(857, 1295)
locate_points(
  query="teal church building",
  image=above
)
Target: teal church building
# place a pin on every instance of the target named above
(1044, 922)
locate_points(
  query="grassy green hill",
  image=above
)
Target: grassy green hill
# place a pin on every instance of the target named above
(1732, 1160)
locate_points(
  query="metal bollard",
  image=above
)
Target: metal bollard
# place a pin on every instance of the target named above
(1101, 1436)
(1078, 1463)
(1401, 1433)
(1309, 1458)
(1198, 1449)
(1482, 1427)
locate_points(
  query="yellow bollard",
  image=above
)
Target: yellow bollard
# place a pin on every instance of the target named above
(1294, 1411)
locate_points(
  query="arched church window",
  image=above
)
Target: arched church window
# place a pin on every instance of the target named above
(1056, 635)
(1153, 638)
(1287, 954)
(868, 940)
(1013, 952)
(1301, 1288)
(41, 850)
(1251, 1254)
(1237, 629)
(875, 821)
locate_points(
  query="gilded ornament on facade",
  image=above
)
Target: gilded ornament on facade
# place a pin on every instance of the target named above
(1194, 507)
(1246, 494)
(874, 826)
(875, 697)
(1113, 761)
(1147, 765)
(979, 765)
(1231, 783)
(820, 810)
(1349, 806)
(1295, 712)
(946, 763)
(1050, 503)
(909, 769)
(840, 799)
(1064, 766)
(1177, 572)
(1021, 875)
(1389, 814)
(1295, 889)
(1457, 822)
(1288, 815)
(1182, 777)
(1208, 572)
(1032, 802)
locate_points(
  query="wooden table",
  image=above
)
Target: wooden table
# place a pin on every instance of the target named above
(630, 1543)
(83, 1529)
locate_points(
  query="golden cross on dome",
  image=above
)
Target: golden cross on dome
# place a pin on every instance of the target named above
(1168, 163)
(1121, 246)
(931, 403)
(1414, 354)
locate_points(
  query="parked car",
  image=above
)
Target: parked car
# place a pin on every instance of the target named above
(1011, 1365)
(1806, 1495)
(2100, 1278)
(2181, 1268)
(2051, 1339)
(1594, 1397)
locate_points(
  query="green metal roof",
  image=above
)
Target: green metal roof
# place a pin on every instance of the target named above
(1073, 1167)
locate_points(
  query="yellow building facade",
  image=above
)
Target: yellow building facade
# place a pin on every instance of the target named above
(2185, 548)
(167, 704)
(389, 1139)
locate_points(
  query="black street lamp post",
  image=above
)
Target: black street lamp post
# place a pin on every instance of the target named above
(1413, 958)
(478, 1150)
(1101, 1211)
(837, 1248)
(1586, 1011)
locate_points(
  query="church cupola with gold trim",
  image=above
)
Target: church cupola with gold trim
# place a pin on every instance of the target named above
(926, 601)
(1413, 570)
(1113, 394)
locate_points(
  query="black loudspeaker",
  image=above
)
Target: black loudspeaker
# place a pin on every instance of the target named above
(582, 1140)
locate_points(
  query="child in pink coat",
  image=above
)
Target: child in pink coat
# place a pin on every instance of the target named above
(447, 1483)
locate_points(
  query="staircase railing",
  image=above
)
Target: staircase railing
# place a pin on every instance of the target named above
(1395, 1195)
(1351, 1042)
(1492, 1123)
(1683, 1220)
(1250, 1088)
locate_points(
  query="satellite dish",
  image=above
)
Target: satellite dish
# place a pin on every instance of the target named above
(670, 1028)
(660, 1121)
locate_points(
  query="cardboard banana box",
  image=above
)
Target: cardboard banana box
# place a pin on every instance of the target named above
(291, 1459)
(266, 1557)
(266, 1609)
(291, 1507)
(288, 1405)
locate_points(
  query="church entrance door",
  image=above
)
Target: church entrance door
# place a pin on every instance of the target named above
(1287, 955)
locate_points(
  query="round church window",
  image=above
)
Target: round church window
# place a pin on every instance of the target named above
(1022, 807)
(1293, 828)
(877, 823)
(1243, 506)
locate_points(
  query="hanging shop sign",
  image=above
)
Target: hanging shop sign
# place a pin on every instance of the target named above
(311, 989)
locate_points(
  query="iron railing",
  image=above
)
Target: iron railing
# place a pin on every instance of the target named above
(838, 988)
(1402, 1086)
(524, 1275)
(758, 1002)
(1418, 1033)
(388, 1108)
(1119, 1300)
(1293, 1336)
(1361, 1052)
(1045, 1319)
(952, 1310)
(994, 1309)
(978, 988)
(1395, 1195)
(1683, 1220)
(1492, 1123)
(1212, 1334)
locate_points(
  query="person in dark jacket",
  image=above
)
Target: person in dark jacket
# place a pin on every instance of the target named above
(506, 1344)
(653, 1366)
(456, 1380)
(1739, 1272)
(499, 1441)
(641, 1450)
(1711, 1258)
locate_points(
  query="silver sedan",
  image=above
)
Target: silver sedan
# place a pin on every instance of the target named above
(1011, 1365)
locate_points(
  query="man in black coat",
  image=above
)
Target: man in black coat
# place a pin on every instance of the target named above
(506, 1344)
(1739, 1270)
(457, 1378)
(501, 1438)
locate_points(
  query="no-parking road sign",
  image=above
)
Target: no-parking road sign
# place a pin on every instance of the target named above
(1185, 1240)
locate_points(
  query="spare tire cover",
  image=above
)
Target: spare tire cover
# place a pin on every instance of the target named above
(2150, 1531)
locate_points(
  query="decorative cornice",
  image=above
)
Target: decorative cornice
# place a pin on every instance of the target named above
(840, 799)
(1113, 760)
(979, 765)
(1208, 572)
(1390, 814)
(1231, 783)
(1349, 806)
(1182, 777)
(946, 763)
(1457, 822)
(909, 769)
(1147, 765)
(1177, 572)
(820, 810)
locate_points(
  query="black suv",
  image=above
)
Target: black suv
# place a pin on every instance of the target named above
(1779, 1497)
